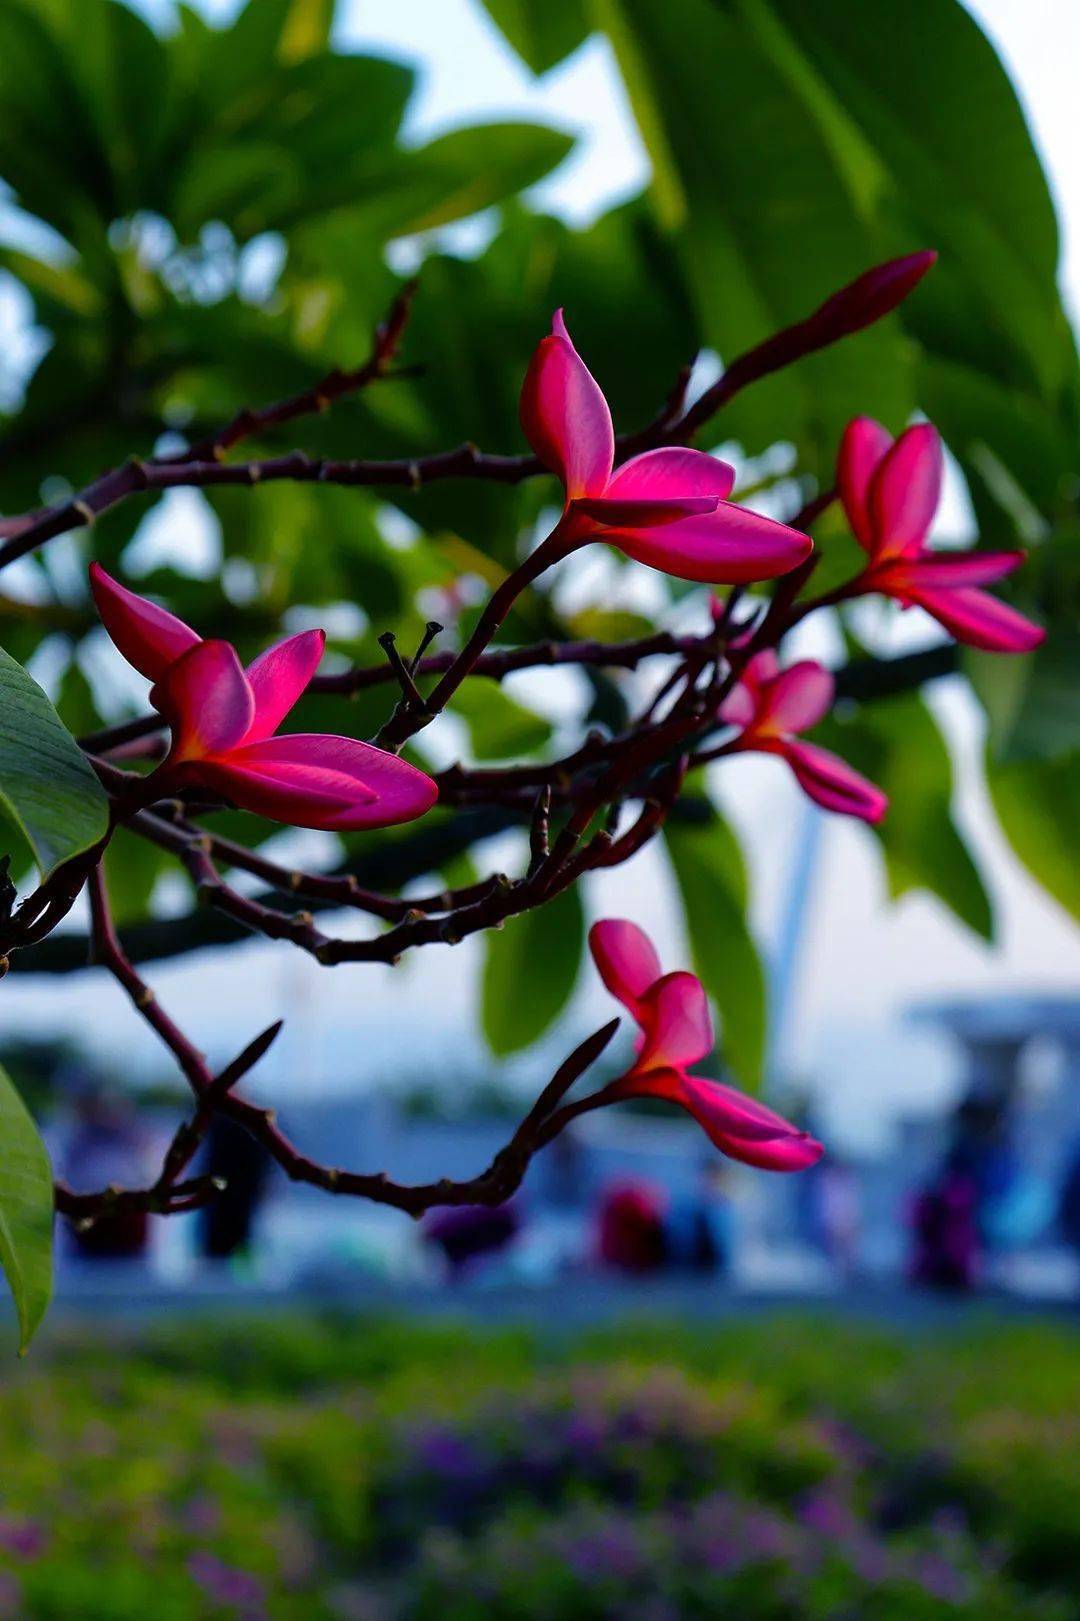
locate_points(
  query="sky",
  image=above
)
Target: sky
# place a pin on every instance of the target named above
(863, 961)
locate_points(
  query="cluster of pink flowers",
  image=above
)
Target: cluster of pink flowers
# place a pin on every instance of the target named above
(223, 718)
(670, 509)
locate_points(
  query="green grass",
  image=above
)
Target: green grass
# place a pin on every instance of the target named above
(381, 1469)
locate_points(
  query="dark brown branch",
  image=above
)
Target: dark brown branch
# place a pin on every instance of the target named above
(845, 312)
(215, 1095)
(496, 665)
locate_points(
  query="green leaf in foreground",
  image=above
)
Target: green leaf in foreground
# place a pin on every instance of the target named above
(47, 786)
(529, 972)
(712, 881)
(26, 1211)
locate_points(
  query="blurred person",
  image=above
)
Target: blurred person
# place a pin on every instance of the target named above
(984, 1149)
(698, 1230)
(1069, 1203)
(630, 1227)
(944, 1219)
(227, 1223)
(839, 1212)
(107, 1145)
(468, 1234)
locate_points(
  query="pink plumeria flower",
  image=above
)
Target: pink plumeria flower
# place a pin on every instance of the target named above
(672, 1013)
(223, 718)
(770, 706)
(666, 508)
(890, 490)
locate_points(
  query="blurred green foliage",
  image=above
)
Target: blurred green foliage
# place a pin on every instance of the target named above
(203, 218)
(783, 1469)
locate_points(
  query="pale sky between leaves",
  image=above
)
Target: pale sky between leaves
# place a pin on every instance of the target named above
(862, 961)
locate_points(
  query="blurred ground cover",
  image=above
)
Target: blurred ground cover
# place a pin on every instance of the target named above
(793, 1467)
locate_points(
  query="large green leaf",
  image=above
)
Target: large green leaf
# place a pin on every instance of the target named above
(709, 869)
(542, 32)
(459, 174)
(748, 184)
(1038, 806)
(26, 1211)
(923, 121)
(50, 151)
(529, 972)
(1031, 701)
(47, 787)
(896, 743)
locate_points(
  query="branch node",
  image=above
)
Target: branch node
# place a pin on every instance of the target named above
(403, 672)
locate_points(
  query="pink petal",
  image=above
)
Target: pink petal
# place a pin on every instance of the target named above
(798, 697)
(149, 637)
(346, 783)
(762, 668)
(279, 676)
(627, 514)
(739, 708)
(729, 546)
(905, 490)
(832, 783)
(677, 1023)
(738, 1125)
(660, 475)
(627, 960)
(862, 448)
(206, 698)
(298, 797)
(944, 570)
(980, 620)
(565, 415)
(744, 704)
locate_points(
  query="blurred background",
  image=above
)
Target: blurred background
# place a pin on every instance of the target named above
(821, 1395)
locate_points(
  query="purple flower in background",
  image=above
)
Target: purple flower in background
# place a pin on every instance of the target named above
(21, 1538)
(609, 1549)
(828, 1514)
(446, 1453)
(228, 1585)
(202, 1514)
(941, 1579)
